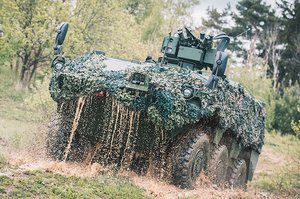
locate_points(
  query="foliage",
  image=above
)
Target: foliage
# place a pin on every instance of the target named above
(29, 37)
(115, 33)
(272, 49)
(265, 33)
(289, 71)
(296, 125)
(127, 29)
(285, 109)
(178, 13)
(39, 99)
(141, 9)
(133, 29)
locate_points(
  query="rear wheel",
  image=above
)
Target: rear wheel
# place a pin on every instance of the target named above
(191, 161)
(218, 164)
(238, 175)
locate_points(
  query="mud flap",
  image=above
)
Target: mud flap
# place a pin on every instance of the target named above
(252, 164)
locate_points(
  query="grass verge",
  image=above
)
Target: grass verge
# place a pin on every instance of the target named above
(37, 184)
(278, 169)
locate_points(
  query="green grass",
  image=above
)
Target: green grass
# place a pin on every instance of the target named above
(3, 161)
(18, 134)
(279, 166)
(11, 97)
(20, 104)
(24, 114)
(288, 145)
(37, 184)
(284, 181)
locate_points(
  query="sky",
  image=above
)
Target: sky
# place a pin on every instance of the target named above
(200, 10)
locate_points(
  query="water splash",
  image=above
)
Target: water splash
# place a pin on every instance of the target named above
(107, 132)
(80, 104)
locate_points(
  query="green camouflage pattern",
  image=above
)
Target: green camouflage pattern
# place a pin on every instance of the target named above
(228, 105)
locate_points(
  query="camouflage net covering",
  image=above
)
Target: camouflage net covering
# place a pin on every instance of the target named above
(228, 105)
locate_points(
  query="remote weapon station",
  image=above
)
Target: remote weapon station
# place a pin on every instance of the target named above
(175, 118)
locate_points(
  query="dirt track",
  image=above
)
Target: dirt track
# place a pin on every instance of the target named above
(152, 186)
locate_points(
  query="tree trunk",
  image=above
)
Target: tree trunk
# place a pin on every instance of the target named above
(32, 72)
(252, 49)
(25, 67)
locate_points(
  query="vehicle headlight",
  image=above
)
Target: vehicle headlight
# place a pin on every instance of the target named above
(187, 92)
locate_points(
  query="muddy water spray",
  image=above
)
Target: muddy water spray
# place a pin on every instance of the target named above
(123, 138)
(80, 104)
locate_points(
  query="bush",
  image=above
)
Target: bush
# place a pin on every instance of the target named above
(296, 125)
(39, 100)
(285, 110)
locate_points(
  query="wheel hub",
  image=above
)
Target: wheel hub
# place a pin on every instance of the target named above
(198, 164)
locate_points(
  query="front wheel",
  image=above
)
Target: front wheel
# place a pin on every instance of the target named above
(191, 160)
(57, 137)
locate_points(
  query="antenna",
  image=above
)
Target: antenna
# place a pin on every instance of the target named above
(248, 29)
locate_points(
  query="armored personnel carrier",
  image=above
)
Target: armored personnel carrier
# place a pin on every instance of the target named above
(174, 118)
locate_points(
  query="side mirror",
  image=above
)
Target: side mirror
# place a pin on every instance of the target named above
(61, 33)
(60, 38)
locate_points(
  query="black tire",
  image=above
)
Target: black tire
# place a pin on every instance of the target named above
(190, 161)
(238, 174)
(57, 137)
(218, 164)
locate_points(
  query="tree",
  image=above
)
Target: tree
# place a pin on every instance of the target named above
(107, 26)
(219, 21)
(272, 48)
(289, 71)
(141, 9)
(178, 12)
(29, 36)
(253, 14)
(285, 109)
